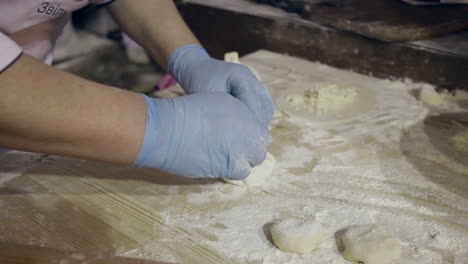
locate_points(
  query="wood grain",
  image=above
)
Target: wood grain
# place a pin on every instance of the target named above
(17, 254)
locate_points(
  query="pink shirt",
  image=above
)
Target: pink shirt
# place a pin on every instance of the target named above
(33, 26)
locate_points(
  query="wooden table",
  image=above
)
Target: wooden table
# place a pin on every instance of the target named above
(82, 208)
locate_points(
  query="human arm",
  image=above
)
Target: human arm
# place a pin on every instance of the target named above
(155, 25)
(158, 27)
(43, 109)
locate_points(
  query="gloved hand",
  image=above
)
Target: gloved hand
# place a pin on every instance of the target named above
(202, 135)
(197, 72)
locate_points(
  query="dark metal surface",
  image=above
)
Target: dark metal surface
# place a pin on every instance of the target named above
(388, 20)
(302, 6)
(456, 44)
(244, 26)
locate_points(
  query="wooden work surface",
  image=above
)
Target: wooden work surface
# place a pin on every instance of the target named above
(18, 254)
(99, 209)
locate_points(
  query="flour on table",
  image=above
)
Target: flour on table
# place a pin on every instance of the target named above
(323, 99)
(370, 244)
(460, 141)
(297, 235)
(259, 175)
(352, 171)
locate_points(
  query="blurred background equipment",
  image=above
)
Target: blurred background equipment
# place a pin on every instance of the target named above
(386, 38)
(361, 135)
(387, 20)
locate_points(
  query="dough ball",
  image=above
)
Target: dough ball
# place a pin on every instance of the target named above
(297, 235)
(370, 244)
(259, 175)
(430, 96)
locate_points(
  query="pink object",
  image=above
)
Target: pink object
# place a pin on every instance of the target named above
(166, 81)
(34, 26)
(129, 42)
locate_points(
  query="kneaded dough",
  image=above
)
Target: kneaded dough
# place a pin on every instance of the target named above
(430, 96)
(323, 99)
(259, 175)
(297, 235)
(370, 244)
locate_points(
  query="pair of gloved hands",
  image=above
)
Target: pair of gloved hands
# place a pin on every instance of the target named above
(219, 130)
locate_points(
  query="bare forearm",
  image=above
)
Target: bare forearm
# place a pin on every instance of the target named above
(154, 24)
(43, 109)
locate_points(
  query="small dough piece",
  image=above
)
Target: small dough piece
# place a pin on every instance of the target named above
(259, 175)
(370, 244)
(430, 96)
(297, 235)
(233, 57)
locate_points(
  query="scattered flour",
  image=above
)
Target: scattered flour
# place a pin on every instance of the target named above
(342, 174)
(461, 141)
(369, 170)
(323, 99)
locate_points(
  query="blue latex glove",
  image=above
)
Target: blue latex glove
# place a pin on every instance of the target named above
(197, 72)
(202, 135)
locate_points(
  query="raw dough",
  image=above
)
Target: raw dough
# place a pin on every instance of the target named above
(430, 96)
(323, 99)
(370, 244)
(461, 141)
(259, 175)
(234, 58)
(297, 235)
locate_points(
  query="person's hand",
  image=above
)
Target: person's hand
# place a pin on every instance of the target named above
(202, 135)
(197, 72)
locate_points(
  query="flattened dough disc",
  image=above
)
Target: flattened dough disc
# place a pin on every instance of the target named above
(362, 103)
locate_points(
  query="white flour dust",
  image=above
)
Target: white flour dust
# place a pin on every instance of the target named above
(352, 172)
